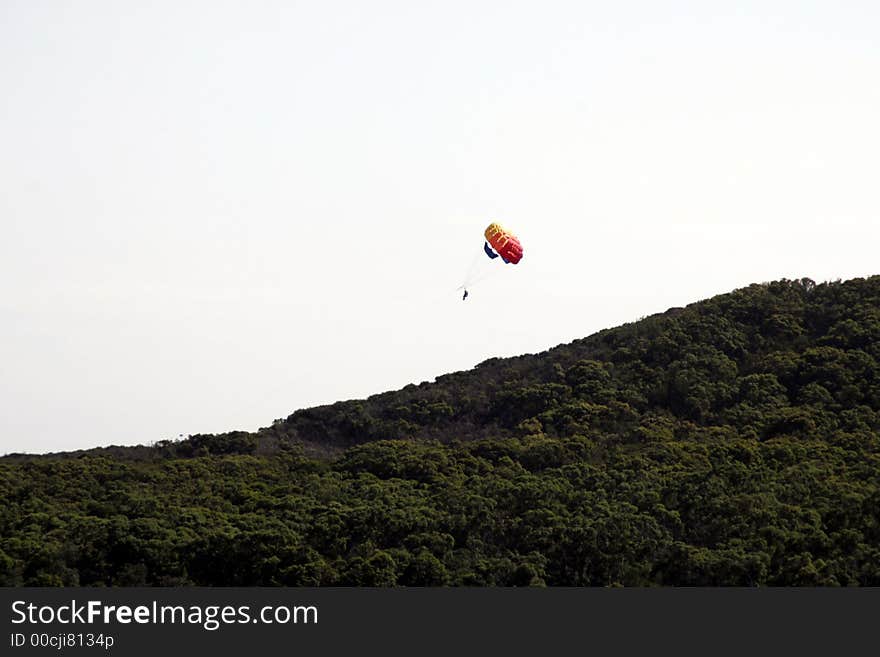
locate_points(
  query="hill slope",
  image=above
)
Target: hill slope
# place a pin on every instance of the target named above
(734, 441)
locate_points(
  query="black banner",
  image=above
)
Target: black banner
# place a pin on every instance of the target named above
(147, 621)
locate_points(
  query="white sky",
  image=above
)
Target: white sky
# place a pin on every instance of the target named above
(215, 213)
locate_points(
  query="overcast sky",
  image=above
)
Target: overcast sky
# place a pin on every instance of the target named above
(215, 213)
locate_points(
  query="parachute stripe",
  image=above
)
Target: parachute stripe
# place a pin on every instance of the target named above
(504, 243)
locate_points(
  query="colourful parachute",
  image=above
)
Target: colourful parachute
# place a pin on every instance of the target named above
(504, 244)
(499, 244)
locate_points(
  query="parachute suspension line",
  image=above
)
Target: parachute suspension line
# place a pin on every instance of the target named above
(471, 271)
(479, 270)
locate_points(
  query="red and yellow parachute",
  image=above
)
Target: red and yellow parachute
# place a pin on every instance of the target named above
(501, 242)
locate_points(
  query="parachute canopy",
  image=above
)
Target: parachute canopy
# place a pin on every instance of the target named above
(504, 243)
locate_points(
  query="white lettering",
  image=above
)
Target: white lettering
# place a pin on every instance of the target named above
(16, 610)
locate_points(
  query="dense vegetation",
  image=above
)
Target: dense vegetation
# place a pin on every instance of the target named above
(732, 442)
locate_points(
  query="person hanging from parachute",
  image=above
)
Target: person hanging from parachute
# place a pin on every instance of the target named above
(500, 243)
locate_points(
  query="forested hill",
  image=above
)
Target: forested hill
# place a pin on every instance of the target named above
(768, 359)
(734, 441)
